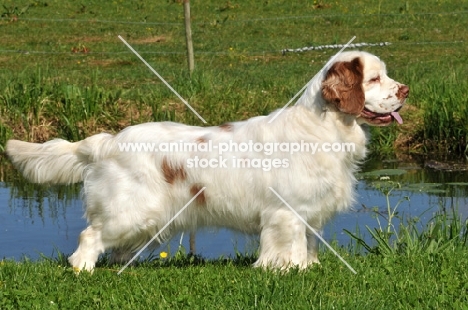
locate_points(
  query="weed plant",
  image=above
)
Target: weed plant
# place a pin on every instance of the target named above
(400, 234)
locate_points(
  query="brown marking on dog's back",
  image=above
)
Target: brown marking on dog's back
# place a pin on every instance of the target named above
(226, 127)
(201, 140)
(172, 174)
(194, 189)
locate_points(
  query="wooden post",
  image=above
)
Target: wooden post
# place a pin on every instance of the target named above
(192, 242)
(191, 65)
(188, 36)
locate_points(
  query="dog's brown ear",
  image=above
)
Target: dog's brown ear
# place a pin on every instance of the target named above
(343, 86)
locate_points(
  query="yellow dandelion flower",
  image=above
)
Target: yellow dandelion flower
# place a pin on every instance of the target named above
(163, 254)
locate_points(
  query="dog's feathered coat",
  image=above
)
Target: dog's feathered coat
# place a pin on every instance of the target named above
(130, 196)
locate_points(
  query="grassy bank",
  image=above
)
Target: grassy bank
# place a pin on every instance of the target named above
(429, 271)
(64, 73)
(394, 282)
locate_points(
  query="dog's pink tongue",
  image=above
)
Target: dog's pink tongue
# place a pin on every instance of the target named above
(397, 117)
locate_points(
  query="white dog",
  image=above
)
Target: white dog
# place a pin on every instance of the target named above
(131, 194)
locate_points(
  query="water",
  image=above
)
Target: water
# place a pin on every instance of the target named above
(36, 220)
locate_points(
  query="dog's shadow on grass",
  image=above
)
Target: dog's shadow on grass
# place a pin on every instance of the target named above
(179, 260)
(183, 261)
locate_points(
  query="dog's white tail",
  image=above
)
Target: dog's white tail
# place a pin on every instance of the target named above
(57, 161)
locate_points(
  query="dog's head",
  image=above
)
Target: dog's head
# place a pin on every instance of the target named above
(357, 83)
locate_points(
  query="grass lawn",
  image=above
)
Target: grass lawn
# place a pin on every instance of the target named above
(425, 281)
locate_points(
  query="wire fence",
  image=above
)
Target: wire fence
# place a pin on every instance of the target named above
(283, 51)
(222, 53)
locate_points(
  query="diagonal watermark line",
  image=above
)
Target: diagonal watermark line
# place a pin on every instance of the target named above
(163, 80)
(161, 230)
(306, 85)
(314, 231)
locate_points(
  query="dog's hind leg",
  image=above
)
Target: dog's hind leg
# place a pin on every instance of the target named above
(120, 256)
(89, 248)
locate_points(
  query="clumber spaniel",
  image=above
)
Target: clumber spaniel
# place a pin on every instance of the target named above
(134, 184)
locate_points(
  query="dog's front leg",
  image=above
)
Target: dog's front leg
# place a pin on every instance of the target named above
(283, 242)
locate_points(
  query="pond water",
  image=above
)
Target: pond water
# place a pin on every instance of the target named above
(36, 220)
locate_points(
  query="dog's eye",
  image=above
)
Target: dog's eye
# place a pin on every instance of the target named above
(375, 79)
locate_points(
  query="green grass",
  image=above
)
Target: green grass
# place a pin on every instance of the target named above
(64, 73)
(394, 281)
